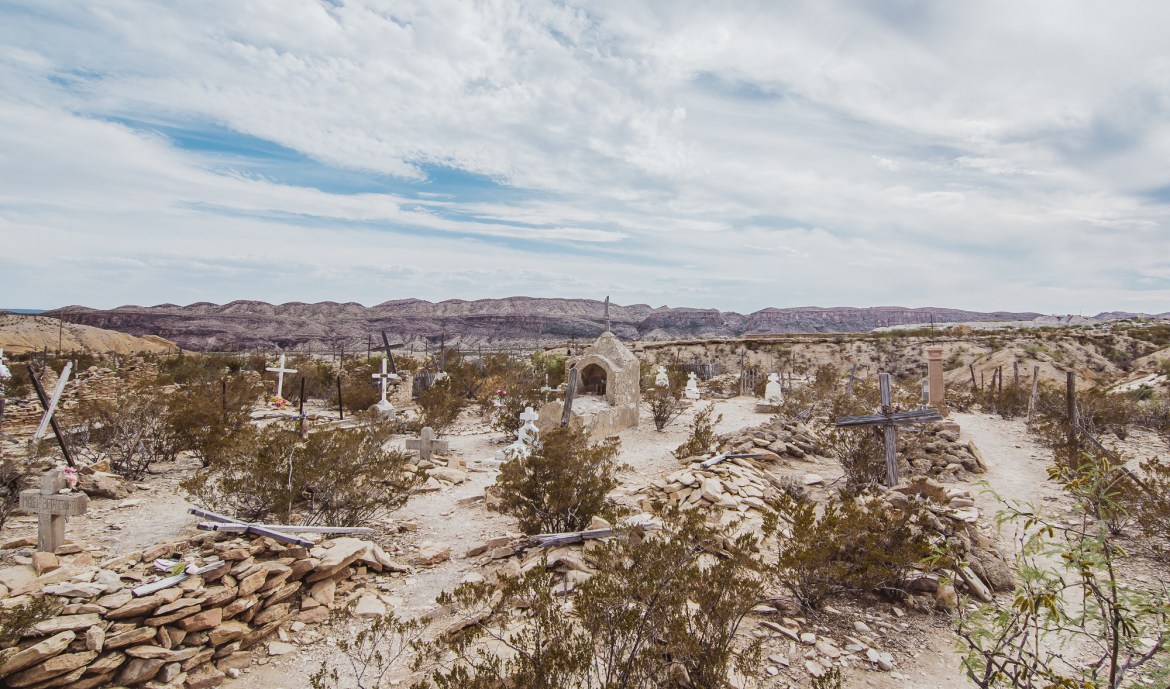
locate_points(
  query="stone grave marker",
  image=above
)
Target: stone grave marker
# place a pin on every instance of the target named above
(280, 370)
(692, 391)
(52, 509)
(773, 391)
(661, 379)
(427, 445)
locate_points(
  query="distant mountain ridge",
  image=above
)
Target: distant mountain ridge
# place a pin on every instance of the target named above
(489, 323)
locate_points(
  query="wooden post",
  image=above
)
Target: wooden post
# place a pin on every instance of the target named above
(340, 404)
(971, 368)
(303, 421)
(1071, 400)
(223, 395)
(569, 393)
(891, 437)
(1035, 389)
(1016, 375)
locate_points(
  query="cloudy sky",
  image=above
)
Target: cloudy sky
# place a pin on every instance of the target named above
(738, 155)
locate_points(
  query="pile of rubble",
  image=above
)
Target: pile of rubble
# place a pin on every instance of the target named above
(735, 484)
(937, 451)
(187, 630)
(780, 437)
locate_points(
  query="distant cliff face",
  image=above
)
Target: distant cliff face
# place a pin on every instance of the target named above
(489, 323)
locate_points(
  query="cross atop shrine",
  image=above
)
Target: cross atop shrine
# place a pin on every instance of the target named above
(426, 444)
(607, 313)
(280, 370)
(888, 420)
(52, 509)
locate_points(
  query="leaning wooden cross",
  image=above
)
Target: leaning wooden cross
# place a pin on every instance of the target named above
(888, 420)
(426, 444)
(277, 532)
(52, 509)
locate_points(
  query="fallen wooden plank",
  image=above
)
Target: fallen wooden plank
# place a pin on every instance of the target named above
(707, 464)
(571, 537)
(241, 528)
(166, 583)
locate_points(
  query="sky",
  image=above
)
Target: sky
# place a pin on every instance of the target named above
(988, 155)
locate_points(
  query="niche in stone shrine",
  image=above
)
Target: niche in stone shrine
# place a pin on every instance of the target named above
(593, 380)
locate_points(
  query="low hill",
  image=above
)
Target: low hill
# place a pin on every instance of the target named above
(22, 333)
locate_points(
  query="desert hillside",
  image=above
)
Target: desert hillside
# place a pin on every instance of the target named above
(20, 334)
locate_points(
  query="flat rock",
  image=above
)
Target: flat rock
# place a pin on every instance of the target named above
(37, 653)
(57, 665)
(369, 605)
(64, 623)
(432, 553)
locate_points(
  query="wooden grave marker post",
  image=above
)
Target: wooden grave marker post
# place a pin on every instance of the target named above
(52, 509)
(426, 444)
(888, 420)
(570, 392)
(52, 407)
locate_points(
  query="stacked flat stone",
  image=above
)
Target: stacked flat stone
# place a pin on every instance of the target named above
(193, 634)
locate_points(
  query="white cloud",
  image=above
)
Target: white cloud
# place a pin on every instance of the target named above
(961, 154)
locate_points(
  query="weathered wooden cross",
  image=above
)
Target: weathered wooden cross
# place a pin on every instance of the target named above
(387, 347)
(888, 420)
(52, 509)
(44, 425)
(280, 371)
(426, 444)
(607, 314)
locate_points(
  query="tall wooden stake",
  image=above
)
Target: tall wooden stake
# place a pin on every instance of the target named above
(1071, 401)
(340, 404)
(888, 431)
(1032, 398)
(569, 393)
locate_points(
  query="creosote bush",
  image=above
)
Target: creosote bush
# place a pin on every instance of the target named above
(338, 477)
(562, 484)
(371, 653)
(205, 413)
(663, 609)
(702, 438)
(441, 404)
(855, 545)
(17, 619)
(131, 429)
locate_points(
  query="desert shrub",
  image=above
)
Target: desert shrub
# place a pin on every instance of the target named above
(441, 404)
(17, 619)
(1150, 504)
(660, 611)
(338, 477)
(371, 652)
(855, 545)
(702, 438)
(12, 481)
(862, 454)
(1072, 621)
(205, 413)
(562, 484)
(359, 389)
(184, 368)
(130, 429)
(548, 366)
(665, 402)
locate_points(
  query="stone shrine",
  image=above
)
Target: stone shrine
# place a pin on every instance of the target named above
(607, 396)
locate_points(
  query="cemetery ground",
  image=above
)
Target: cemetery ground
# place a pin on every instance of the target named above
(446, 535)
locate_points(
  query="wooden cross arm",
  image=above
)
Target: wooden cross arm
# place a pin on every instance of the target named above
(897, 419)
(258, 529)
(70, 505)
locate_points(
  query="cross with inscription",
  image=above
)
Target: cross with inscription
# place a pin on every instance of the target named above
(426, 444)
(888, 420)
(52, 509)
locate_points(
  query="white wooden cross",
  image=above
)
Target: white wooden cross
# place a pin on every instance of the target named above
(888, 420)
(280, 371)
(52, 509)
(53, 402)
(383, 378)
(426, 444)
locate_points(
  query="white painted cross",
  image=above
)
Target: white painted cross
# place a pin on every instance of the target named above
(384, 378)
(55, 399)
(52, 509)
(426, 444)
(280, 371)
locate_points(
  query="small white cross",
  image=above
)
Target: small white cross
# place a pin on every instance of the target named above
(280, 371)
(529, 415)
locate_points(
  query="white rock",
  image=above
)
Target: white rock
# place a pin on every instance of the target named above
(369, 606)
